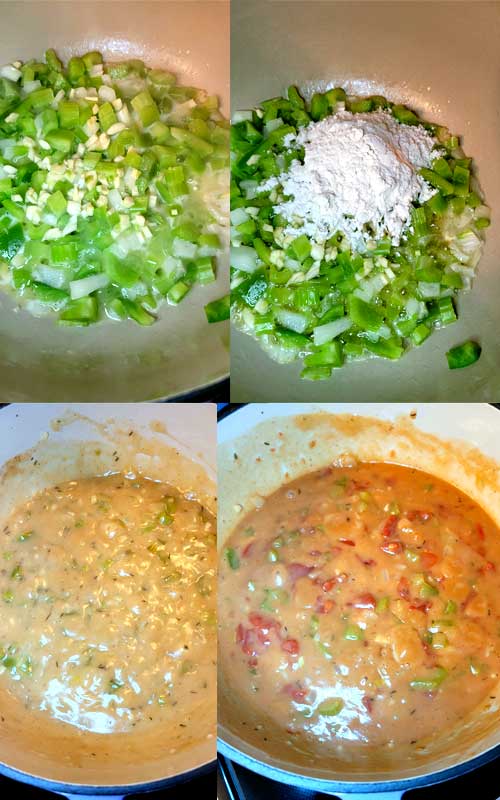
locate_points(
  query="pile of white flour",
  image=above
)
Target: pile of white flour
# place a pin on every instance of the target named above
(360, 177)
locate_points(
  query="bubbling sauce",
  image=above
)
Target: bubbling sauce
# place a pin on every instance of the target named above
(107, 597)
(360, 608)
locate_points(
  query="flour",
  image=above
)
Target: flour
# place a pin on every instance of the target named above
(360, 177)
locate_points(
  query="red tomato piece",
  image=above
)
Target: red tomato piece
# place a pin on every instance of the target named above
(291, 646)
(428, 559)
(392, 548)
(404, 588)
(363, 601)
(294, 691)
(480, 532)
(419, 516)
(324, 606)
(390, 526)
(328, 585)
(348, 542)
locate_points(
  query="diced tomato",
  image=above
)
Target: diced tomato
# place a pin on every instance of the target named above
(488, 567)
(368, 703)
(291, 646)
(248, 549)
(392, 548)
(368, 562)
(404, 588)
(324, 605)
(348, 542)
(480, 532)
(297, 571)
(428, 559)
(363, 601)
(328, 585)
(294, 691)
(390, 526)
(420, 605)
(265, 624)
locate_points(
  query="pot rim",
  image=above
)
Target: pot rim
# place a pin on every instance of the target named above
(117, 790)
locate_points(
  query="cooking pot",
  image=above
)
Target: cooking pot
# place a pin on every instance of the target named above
(262, 446)
(398, 50)
(41, 445)
(181, 352)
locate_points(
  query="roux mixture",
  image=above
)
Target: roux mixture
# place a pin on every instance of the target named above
(107, 596)
(361, 608)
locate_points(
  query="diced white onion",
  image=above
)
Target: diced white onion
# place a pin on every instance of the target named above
(10, 72)
(238, 216)
(183, 249)
(325, 333)
(244, 258)
(293, 320)
(52, 276)
(86, 286)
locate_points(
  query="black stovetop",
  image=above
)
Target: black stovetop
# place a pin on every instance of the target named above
(241, 784)
(204, 787)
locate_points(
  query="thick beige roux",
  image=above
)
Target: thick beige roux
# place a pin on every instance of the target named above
(307, 568)
(107, 596)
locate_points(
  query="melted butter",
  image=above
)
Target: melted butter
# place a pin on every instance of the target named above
(107, 589)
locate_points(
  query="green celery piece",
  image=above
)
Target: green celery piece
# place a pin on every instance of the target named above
(218, 310)
(52, 60)
(69, 114)
(335, 96)
(430, 683)
(15, 210)
(353, 633)
(61, 140)
(320, 106)
(136, 312)
(107, 116)
(360, 106)
(178, 291)
(175, 181)
(11, 240)
(57, 203)
(404, 115)
(252, 289)
(330, 707)
(83, 310)
(49, 120)
(463, 355)
(420, 334)
(48, 294)
(483, 222)
(461, 178)
(205, 270)
(76, 69)
(119, 272)
(191, 141)
(41, 98)
(442, 167)
(301, 247)
(146, 108)
(444, 186)
(329, 354)
(364, 315)
(91, 59)
(385, 348)
(295, 97)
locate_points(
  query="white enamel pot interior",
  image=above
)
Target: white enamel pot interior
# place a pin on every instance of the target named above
(175, 443)
(40, 361)
(261, 446)
(397, 49)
